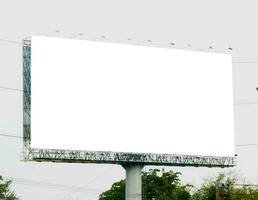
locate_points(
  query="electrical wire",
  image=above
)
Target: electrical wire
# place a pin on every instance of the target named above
(20, 43)
(20, 137)
(246, 185)
(9, 88)
(246, 145)
(11, 136)
(91, 181)
(10, 41)
(245, 62)
(49, 185)
(52, 186)
(248, 103)
(95, 38)
(20, 90)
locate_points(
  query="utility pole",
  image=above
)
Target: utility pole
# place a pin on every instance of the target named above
(218, 191)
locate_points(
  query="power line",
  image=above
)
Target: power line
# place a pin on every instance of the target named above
(245, 62)
(91, 181)
(103, 37)
(56, 188)
(11, 136)
(246, 185)
(53, 186)
(10, 41)
(20, 137)
(249, 103)
(20, 90)
(9, 88)
(80, 34)
(42, 184)
(246, 145)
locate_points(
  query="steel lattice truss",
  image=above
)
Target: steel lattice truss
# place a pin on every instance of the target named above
(124, 158)
(72, 156)
(26, 95)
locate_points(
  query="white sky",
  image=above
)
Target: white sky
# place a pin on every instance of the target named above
(190, 24)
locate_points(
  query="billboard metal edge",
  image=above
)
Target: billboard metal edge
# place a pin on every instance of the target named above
(26, 55)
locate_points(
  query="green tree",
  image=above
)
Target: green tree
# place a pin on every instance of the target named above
(245, 193)
(166, 186)
(219, 187)
(5, 191)
(117, 192)
(223, 187)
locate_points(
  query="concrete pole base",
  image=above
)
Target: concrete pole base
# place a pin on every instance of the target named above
(133, 181)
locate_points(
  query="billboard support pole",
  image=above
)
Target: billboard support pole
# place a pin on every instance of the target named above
(133, 181)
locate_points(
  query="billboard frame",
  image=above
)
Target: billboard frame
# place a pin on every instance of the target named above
(83, 156)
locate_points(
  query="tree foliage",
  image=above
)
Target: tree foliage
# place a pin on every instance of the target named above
(166, 186)
(5, 191)
(224, 187)
(245, 193)
(117, 192)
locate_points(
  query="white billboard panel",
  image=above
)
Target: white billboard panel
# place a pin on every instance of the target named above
(99, 96)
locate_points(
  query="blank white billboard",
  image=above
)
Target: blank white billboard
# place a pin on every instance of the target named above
(99, 96)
